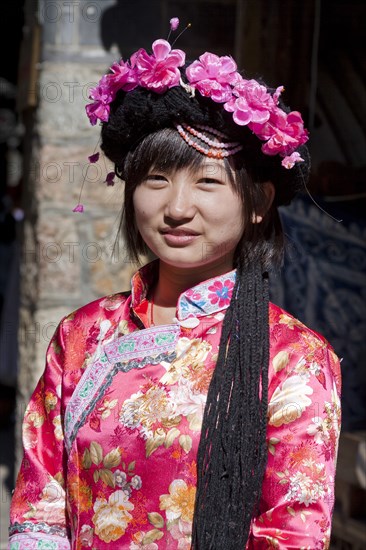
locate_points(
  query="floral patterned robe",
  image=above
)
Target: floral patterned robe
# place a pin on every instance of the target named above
(111, 432)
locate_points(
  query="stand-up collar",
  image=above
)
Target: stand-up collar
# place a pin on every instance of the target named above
(206, 298)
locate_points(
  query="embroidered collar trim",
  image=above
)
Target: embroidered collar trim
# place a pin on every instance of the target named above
(206, 298)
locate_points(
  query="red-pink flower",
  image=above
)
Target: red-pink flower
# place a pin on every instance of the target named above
(158, 71)
(78, 208)
(102, 96)
(213, 76)
(283, 133)
(174, 23)
(123, 77)
(221, 292)
(290, 161)
(250, 103)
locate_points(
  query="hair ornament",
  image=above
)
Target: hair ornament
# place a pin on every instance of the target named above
(216, 148)
(214, 77)
(93, 159)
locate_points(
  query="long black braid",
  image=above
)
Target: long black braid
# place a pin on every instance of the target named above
(232, 451)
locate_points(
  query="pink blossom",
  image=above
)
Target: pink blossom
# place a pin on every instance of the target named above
(283, 132)
(251, 103)
(78, 208)
(174, 23)
(277, 94)
(290, 161)
(213, 76)
(158, 71)
(123, 77)
(102, 96)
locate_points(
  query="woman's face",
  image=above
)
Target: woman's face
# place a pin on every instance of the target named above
(190, 218)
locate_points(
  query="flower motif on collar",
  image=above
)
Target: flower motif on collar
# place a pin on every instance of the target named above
(220, 292)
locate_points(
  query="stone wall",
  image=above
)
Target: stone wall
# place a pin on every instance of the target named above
(66, 257)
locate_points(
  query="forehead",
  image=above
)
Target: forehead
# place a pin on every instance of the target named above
(209, 168)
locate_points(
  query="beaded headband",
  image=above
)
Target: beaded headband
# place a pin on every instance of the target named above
(217, 149)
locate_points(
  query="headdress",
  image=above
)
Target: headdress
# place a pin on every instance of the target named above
(212, 77)
(160, 90)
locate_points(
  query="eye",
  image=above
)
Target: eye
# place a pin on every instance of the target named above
(156, 180)
(210, 181)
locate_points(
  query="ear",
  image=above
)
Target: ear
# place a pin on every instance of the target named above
(269, 194)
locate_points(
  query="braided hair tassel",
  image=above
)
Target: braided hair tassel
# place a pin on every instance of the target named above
(232, 451)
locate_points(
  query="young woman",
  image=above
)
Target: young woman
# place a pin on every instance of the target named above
(189, 412)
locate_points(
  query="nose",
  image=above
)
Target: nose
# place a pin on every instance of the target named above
(180, 203)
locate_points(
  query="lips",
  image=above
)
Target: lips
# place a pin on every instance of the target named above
(179, 236)
(179, 231)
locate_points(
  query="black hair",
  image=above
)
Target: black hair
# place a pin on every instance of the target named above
(141, 134)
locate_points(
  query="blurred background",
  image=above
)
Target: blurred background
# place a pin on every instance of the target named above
(53, 260)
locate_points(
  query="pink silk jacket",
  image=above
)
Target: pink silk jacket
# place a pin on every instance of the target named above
(111, 432)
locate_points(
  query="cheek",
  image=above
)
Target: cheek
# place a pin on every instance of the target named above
(143, 207)
(231, 217)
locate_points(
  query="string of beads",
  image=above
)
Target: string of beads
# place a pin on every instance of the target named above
(216, 149)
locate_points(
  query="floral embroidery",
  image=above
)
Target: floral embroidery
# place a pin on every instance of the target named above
(179, 508)
(103, 410)
(51, 505)
(58, 427)
(220, 293)
(86, 535)
(50, 401)
(307, 485)
(112, 517)
(33, 422)
(153, 413)
(289, 401)
(325, 430)
(141, 542)
(80, 493)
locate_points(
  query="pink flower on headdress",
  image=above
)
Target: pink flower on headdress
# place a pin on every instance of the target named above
(102, 96)
(159, 71)
(213, 76)
(174, 23)
(290, 161)
(283, 133)
(251, 103)
(123, 77)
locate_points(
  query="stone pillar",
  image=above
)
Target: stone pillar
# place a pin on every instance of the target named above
(66, 258)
